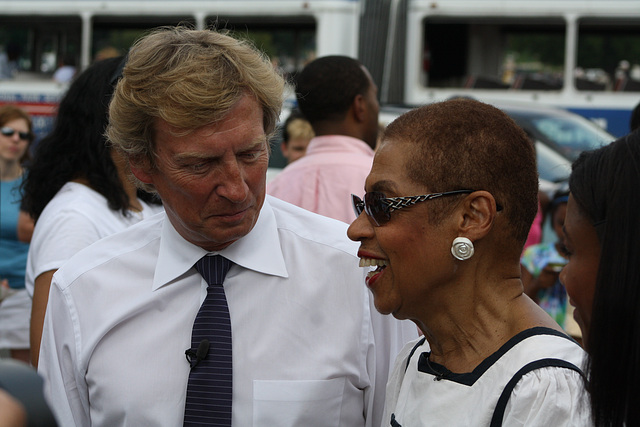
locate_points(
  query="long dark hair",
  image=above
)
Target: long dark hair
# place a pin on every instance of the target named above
(76, 147)
(604, 183)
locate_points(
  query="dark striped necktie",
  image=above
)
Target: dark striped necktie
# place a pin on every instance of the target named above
(209, 389)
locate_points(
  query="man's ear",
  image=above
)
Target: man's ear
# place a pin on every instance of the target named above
(141, 170)
(359, 107)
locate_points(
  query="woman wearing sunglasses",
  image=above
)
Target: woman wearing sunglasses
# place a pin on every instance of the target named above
(449, 202)
(602, 278)
(15, 306)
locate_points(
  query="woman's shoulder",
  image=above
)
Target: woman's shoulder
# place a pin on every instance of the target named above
(541, 369)
(554, 394)
(79, 193)
(78, 207)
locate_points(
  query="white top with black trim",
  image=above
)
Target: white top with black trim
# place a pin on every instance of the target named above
(534, 379)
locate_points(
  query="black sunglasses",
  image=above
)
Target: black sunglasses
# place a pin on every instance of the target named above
(379, 208)
(7, 131)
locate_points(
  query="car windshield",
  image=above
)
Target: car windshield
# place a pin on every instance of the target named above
(572, 134)
(552, 166)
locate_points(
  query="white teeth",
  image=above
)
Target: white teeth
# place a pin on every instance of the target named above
(372, 262)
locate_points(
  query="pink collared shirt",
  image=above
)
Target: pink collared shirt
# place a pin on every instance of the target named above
(334, 167)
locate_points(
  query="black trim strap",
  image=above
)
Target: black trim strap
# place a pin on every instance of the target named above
(413, 350)
(498, 413)
(393, 422)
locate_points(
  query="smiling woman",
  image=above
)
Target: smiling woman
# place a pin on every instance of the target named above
(451, 265)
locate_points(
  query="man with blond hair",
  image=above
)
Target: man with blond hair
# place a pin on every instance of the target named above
(289, 337)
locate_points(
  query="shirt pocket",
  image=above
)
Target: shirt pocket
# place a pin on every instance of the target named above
(297, 403)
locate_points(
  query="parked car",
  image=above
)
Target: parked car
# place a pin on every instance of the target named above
(553, 166)
(566, 132)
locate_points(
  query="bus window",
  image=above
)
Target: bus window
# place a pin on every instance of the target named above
(113, 35)
(494, 53)
(290, 42)
(608, 55)
(39, 43)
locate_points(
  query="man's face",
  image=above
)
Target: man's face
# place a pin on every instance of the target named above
(212, 181)
(294, 149)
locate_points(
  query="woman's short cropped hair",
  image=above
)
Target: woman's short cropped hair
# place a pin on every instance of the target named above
(189, 79)
(11, 112)
(465, 144)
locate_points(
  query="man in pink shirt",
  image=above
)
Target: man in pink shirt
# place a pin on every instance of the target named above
(339, 98)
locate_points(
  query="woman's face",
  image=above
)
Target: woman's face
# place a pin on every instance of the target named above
(12, 147)
(413, 258)
(579, 275)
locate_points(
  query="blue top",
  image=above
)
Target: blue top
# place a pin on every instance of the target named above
(13, 254)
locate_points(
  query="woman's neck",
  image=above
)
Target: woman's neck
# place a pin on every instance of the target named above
(10, 170)
(472, 324)
(122, 166)
(132, 193)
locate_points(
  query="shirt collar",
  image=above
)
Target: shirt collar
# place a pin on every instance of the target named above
(259, 250)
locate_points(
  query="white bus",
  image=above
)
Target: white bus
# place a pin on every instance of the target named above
(581, 55)
(35, 36)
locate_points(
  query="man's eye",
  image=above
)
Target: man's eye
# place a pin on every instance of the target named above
(250, 155)
(198, 167)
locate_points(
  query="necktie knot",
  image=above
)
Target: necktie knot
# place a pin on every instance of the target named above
(213, 268)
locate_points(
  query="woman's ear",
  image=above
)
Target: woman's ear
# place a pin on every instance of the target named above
(479, 213)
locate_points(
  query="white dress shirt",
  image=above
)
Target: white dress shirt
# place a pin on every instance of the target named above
(309, 349)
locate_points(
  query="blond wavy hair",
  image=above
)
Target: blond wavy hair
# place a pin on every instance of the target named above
(189, 79)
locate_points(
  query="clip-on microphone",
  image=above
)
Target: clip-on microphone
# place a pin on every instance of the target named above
(195, 356)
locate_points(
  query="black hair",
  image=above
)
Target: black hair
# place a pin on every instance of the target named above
(327, 86)
(76, 147)
(604, 184)
(634, 122)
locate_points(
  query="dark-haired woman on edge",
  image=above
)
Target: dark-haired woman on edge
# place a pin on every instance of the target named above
(78, 189)
(602, 278)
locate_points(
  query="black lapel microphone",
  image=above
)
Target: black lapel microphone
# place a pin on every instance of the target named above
(195, 356)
